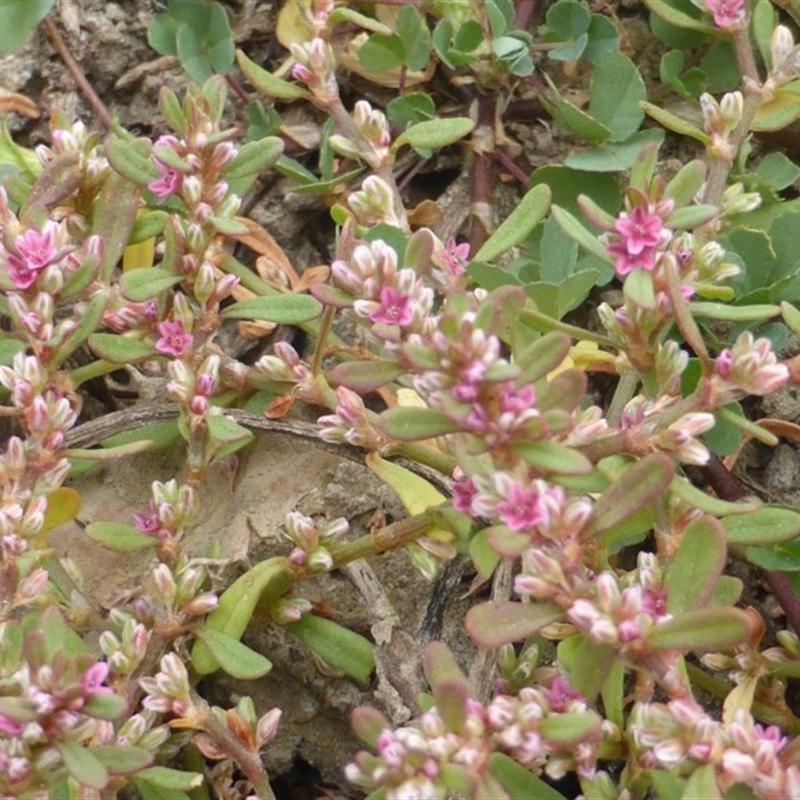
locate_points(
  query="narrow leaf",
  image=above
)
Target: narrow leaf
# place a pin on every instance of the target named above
(171, 779)
(434, 133)
(366, 376)
(410, 424)
(554, 457)
(766, 526)
(267, 83)
(119, 537)
(285, 309)
(341, 648)
(636, 488)
(144, 284)
(121, 349)
(122, 759)
(582, 235)
(83, 765)
(518, 781)
(515, 228)
(235, 658)
(703, 630)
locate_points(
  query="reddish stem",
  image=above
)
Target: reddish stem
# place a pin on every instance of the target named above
(71, 64)
(483, 143)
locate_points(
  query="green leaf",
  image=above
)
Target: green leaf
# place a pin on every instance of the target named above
(416, 494)
(367, 376)
(416, 38)
(144, 284)
(523, 219)
(267, 83)
(107, 706)
(119, 536)
(589, 664)
(171, 779)
(285, 309)
(410, 424)
(19, 19)
(569, 727)
(702, 783)
(703, 630)
(518, 781)
(571, 118)
(637, 487)
(411, 108)
(131, 159)
(687, 183)
(234, 657)
(495, 623)
(778, 558)
(568, 19)
(678, 18)
(542, 356)
(121, 349)
(767, 526)
(121, 759)
(697, 566)
(778, 171)
(382, 53)
(83, 765)
(60, 178)
(8, 349)
(435, 133)
(265, 582)
(603, 38)
(675, 123)
(253, 158)
(723, 311)
(344, 14)
(615, 92)
(639, 289)
(483, 555)
(12, 154)
(667, 785)
(614, 156)
(554, 457)
(341, 648)
(691, 216)
(582, 235)
(148, 226)
(226, 435)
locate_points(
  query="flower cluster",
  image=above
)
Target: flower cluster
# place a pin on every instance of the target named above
(680, 733)
(748, 367)
(170, 511)
(640, 234)
(49, 705)
(310, 540)
(430, 759)
(350, 423)
(395, 301)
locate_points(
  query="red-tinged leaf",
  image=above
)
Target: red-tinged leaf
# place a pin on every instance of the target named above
(554, 457)
(113, 217)
(497, 623)
(703, 630)
(770, 525)
(366, 376)
(542, 356)
(440, 665)
(144, 284)
(368, 724)
(566, 391)
(506, 543)
(409, 424)
(697, 566)
(61, 177)
(636, 488)
(331, 296)
(684, 319)
(451, 702)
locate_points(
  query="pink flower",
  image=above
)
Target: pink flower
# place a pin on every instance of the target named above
(92, 679)
(463, 493)
(455, 257)
(37, 249)
(174, 339)
(639, 230)
(146, 523)
(167, 184)
(522, 508)
(23, 275)
(727, 13)
(394, 309)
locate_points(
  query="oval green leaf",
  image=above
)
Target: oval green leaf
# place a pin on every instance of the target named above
(119, 537)
(285, 309)
(766, 526)
(497, 623)
(235, 658)
(435, 133)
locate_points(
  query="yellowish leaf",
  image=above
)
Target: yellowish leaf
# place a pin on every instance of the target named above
(63, 506)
